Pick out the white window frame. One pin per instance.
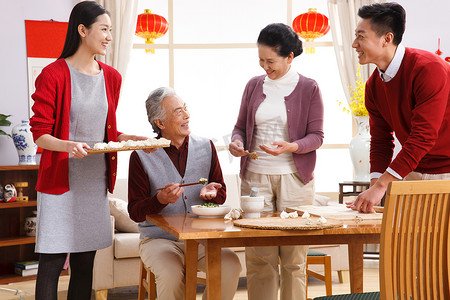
(171, 46)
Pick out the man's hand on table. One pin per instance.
(366, 200)
(369, 198)
(209, 192)
(170, 193)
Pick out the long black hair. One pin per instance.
(85, 13)
(282, 38)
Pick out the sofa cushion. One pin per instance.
(126, 273)
(118, 209)
(126, 245)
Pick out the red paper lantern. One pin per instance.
(150, 26)
(310, 26)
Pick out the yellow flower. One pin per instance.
(357, 106)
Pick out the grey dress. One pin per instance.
(78, 220)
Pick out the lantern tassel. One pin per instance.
(310, 50)
(149, 41)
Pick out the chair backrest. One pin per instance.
(415, 244)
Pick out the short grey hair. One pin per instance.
(155, 110)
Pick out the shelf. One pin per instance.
(16, 204)
(14, 241)
(5, 279)
(14, 244)
(19, 167)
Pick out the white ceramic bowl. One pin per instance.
(252, 206)
(210, 212)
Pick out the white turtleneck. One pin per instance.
(271, 125)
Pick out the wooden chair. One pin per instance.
(147, 282)
(320, 258)
(415, 243)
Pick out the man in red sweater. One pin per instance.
(408, 94)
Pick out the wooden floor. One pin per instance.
(315, 287)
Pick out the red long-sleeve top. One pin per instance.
(415, 104)
(141, 204)
(52, 116)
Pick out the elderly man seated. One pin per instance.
(188, 159)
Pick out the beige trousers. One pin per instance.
(423, 176)
(263, 275)
(165, 258)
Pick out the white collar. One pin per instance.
(290, 75)
(394, 66)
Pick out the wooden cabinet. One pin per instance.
(14, 244)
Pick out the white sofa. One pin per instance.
(118, 265)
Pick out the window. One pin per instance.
(210, 57)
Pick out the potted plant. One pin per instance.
(4, 122)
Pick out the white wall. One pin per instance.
(13, 64)
(426, 21)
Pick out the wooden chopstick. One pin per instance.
(186, 184)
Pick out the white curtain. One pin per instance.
(123, 19)
(343, 21)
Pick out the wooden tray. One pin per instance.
(336, 212)
(284, 224)
(96, 151)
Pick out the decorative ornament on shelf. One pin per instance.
(310, 26)
(9, 193)
(30, 224)
(151, 26)
(25, 146)
(19, 187)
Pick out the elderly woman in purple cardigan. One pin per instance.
(281, 119)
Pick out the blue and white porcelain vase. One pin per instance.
(360, 148)
(25, 146)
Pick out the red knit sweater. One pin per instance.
(415, 105)
(51, 116)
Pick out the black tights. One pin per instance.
(50, 267)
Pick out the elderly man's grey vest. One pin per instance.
(161, 171)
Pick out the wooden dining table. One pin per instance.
(217, 233)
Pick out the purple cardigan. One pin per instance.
(304, 108)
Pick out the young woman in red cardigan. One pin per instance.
(75, 103)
